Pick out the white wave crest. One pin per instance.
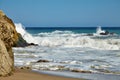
(68, 39)
(78, 41)
(26, 36)
(99, 30)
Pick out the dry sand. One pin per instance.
(29, 75)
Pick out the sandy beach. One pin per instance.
(21, 74)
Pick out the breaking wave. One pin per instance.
(69, 39)
(26, 36)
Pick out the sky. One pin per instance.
(63, 13)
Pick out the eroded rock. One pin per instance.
(8, 37)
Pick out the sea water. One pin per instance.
(70, 49)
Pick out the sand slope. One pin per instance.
(29, 75)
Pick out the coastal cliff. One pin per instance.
(8, 38)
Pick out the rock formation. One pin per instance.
(8, 38)
(23, 43)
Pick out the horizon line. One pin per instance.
(68, 26)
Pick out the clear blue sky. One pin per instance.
(68, 13)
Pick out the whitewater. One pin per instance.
(65, 50)
(70, 39)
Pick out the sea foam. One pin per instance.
(69, 39)
(27, 36)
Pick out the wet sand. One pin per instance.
(21, 74)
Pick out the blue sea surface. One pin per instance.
(35, 30)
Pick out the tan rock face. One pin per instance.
(8, 38)
(5, 60)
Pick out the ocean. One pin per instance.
(70, 49)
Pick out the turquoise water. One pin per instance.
(35, 30)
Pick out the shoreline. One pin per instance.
(84, 76)
(25, 74)
(28, 74)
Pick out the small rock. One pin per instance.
(43, 61)
(81, 71)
